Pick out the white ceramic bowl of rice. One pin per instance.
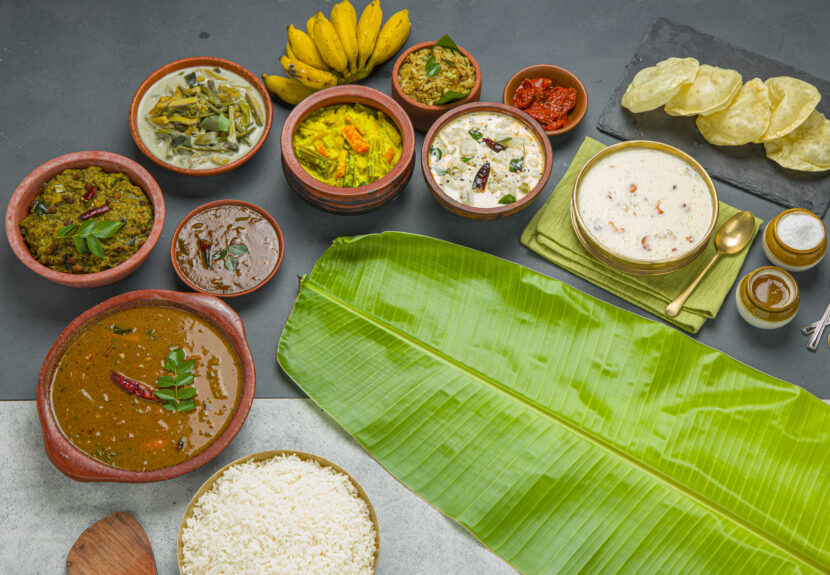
(279, 512)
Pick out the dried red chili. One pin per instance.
(480, 181)
(206, 248)
(94, 212)
(547, 104)
(135, 387)
(90, 193)
(495, 146)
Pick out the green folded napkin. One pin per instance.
(551, 235)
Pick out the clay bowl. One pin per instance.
(29, 188)
(422, 115)
(188, 63)
(79, 466)
(215, 204)
(471, 212)
(263, 455)
(348, 200)
(560, 77)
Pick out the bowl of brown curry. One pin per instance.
(227, 248)
(146, 386)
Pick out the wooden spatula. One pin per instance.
(115, 545)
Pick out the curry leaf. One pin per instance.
(165, 381)
(66, 231)
(186, 405)
(231, 263)
(451, 96)
(166, 394)
(569, 435)
(86, 227)
(517, 164)
(183, 379)
(107, 228)
(94, 245)
(475, 134)
(80, 244)
(432, 67)
(238, 249)
(187, 393)
(446, 42)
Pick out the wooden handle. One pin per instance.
(674, 307)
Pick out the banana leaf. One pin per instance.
(566, 434)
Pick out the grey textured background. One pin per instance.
(69, 69)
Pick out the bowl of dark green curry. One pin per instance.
(85, 219)
(146, 386)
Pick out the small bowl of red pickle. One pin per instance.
(551, 95)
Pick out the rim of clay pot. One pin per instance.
(214, 204)
(430, 113)
(262, 456)
(30, 187)
(472, 212)
(187, 63)
(347, 94)
(79, 466)
(555, 73)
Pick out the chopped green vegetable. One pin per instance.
(507, 199)
(121, 330)
(516, 164)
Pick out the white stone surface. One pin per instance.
(44, 511)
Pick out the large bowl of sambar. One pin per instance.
(145, 386)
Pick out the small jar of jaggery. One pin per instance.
(767, 298)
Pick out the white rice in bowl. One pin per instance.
(282, 515)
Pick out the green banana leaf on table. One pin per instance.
(568, 435)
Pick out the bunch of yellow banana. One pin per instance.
(337, 50)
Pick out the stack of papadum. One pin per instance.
(780, 112)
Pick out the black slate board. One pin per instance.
(745, 167)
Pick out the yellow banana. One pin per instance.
(367, 31)
(344, 20)
(309, 26)
(288, 90)
(304, 48)
(325, 37)
(357, 75)
(392, 36)
(310, 76)
(289, 52)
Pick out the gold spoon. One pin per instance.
(732, 237)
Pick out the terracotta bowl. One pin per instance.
(215, 204)
(422, 115)
(263, 455)
(29, 188)
(485, 214)
(560, 77)
(187, 63)
(79, 466)
(348, 200)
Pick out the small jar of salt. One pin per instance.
(795, 240)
